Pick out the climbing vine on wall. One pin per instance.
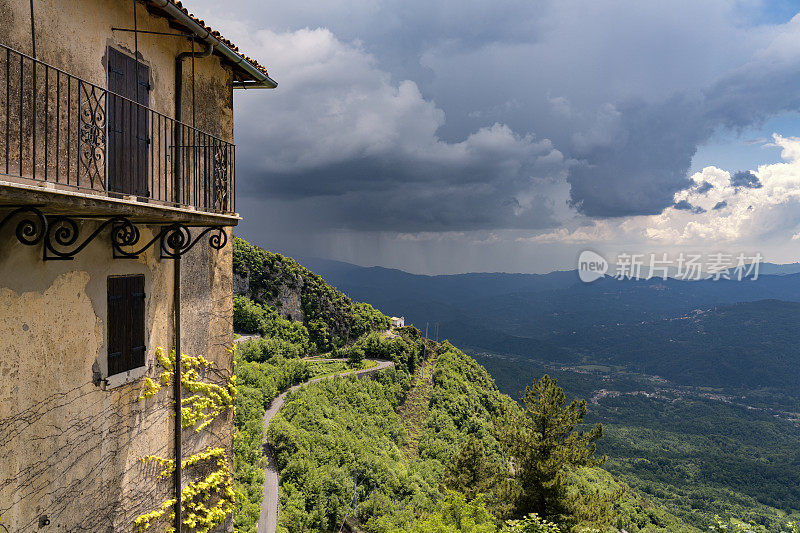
(204, 502)
(207, 401)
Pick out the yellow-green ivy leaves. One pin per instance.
(206, 501)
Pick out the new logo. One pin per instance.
(591, 266)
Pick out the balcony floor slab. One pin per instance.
(76, 203)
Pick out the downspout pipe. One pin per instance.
(209, 49)
(176, 386)
(177, 277)
(33, 33)
(260, 79)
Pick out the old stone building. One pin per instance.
(116, 205)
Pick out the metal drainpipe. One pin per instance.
(179, 111)
(177, 388)
(177, 276)
(33, 34)
(261, 80)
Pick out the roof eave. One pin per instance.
(259, 79)
(268, 83)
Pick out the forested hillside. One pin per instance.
(425, 446)
(276, 358)
(746, 345)
(696, 450)
(345, 456)
(696, 383)
(331, 318)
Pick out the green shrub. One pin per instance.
(251, 317)
(405, 351)
(265, 349)
(355, 355)
(454, 514)
(532, 523)
(248, 316)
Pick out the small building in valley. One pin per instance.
(116, 207)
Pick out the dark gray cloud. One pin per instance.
(720, 205)
(745, 179)
(362, 153)
(638, 171)
(684, 205)
(647, 163)
(382, 193)
(703, 188)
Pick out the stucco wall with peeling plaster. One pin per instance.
(70, 449)
(73, 35)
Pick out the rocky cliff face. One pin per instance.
(285, 298)
(299, 294)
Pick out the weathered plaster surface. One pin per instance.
(73, 35)
(70, 449)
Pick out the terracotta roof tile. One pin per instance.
(218, 35)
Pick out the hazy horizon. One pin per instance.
(307, 260)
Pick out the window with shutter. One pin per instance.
(126, 346)
(128, 85)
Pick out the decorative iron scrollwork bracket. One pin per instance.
(61, 239)
(31, 225)
(173, 241)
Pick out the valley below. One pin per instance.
(697, 450)
(697, 384)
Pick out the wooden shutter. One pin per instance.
(136, 333)
(126, 346)
(116, 326)
(128, 138)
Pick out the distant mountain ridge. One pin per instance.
(335, 266)
(443, 285)
(556, 318)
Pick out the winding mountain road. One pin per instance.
(268, 520)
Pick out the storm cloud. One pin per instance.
(366, 152)
(456, 116)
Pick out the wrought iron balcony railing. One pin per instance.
(58, 128)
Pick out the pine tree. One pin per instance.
(469, 471)
(544, 445)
